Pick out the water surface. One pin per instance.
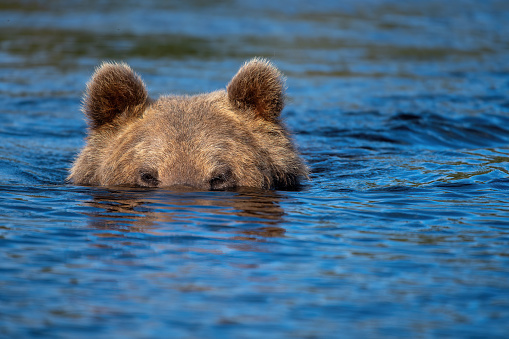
(401, 110)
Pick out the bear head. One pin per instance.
(214, 141)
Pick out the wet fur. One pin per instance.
(218, 140)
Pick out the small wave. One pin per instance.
(425, 130)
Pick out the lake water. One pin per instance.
(400, 108)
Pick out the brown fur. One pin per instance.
(113, 90)
(259, 86)
(218, 140)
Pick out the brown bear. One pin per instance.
(214, 141)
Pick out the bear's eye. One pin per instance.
(222, 180)
(149, 178)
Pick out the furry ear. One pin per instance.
(258, 86)
(113, 90)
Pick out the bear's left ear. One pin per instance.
(114, 90)
(258, 86)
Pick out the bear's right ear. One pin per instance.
(113, 90)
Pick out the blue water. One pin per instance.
(401, 110)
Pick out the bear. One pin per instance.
(221, 140)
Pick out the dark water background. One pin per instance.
(401, 109)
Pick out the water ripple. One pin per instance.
(400, 109)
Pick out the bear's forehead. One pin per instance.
(186, 113)
(216, 101)
(201, 118)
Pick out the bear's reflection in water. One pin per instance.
(248, 214)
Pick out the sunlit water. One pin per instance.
(401, 109)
